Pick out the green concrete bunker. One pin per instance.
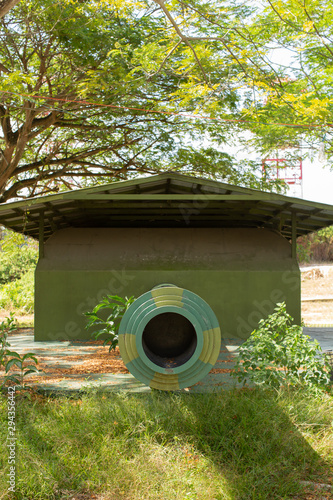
(233, 247)
(241, 273)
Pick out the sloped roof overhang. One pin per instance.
(166, 200)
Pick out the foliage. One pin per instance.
(304, 252)
(274, 60)
(19, 294)
(71, 116)
(9, 358)
(25, 369)
(278, 353)
(326, 232)
(18, 258)
(229, 445)
(316, 247)
(7, 326)
(296, 90)
(108, 328)
(18, 255)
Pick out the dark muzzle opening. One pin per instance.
(169, 340)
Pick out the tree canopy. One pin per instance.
(278, 58)
(99, 90)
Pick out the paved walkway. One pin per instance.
(58, 359)
(323, 335)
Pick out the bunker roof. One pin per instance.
(166, 200)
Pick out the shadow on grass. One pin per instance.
(231, 445)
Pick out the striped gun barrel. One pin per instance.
(169, 338)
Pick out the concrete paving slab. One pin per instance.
(323, 335)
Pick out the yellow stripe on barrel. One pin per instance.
(165, 382)
(127, 347)
(211, 345)
(168, 296)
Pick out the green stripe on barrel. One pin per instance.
(169, 338)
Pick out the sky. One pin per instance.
(317, 182)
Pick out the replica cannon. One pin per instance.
(169, 338)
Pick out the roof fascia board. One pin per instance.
(181, 178)
(191, 197)
(269, 197)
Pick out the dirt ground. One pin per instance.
(52, 369)
(317, 284)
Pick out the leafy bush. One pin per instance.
(316, 247)
(304, 251)
(8, 358)
(6, 326)
(278, 353)
(108, 328)
(18, 258)
(18, 255)
(21, 362)
(18, 294)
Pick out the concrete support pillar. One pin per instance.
(41, 234)
(293, 235)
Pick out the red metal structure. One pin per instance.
(290, 171)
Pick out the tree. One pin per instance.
(279, 56)
(300, 93)
(100, 90)
(59, 52)
(74, 99)
(6, 5)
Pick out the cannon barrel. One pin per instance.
(169, 338)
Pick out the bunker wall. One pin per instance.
(240, 273)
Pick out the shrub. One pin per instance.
(108, 328)
(278, 353)
(18, 255)
(6, 326)
(316, 247)
(8, 358)
(18, 294)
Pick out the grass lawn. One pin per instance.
(244, 444)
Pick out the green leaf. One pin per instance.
(31, 370)
(13, 378)
(12, 362)
(13, 353)
(30, 355)
(112, 322)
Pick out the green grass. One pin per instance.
(23, 322)
(233, 445)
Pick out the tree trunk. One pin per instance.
(6, 5)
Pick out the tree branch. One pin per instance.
(73, 159)
(6, 5)
(183, 37)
